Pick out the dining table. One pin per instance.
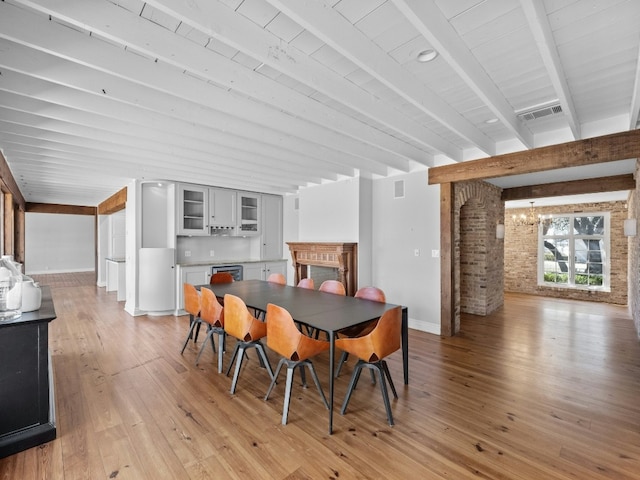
(316, 310)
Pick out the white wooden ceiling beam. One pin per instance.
(124, 154)
(222, 23)
(149, 139)
(428, 19)
(337, 32)
(116, 24)
(539, 25)
(634, 109)
(123, 93)
(135, 80)
(102, 15)
(106, 107)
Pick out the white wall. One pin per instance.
(400, 226)
(57, 243)
(387, 230)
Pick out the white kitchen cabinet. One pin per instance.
(222, 209)
(193, 274)
(262, 270)
(248, 213)
(271, 219)
(193, 210)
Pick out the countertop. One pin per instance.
(225, 262)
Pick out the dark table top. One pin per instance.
(325, 311)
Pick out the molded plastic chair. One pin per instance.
(284, 338)
(277, 278)
(212, 314)
(333, 286)
(371, 350)
(192, 307)
(248, 330)
(369, 293)
(307, 283)
(221, 277)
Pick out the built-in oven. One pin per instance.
(235, 270)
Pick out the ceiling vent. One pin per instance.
(534, 114)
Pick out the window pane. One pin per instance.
(558, 226)
(556, 265)
(588, 225)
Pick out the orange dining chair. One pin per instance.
(306, 283)
(277, 278)
(369, 293)
(212, 314)
(248, 330)
(296, 349)
(221, 277)
(192, 307)
(371, 350)
(333, 286)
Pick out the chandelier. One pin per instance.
(530, 218)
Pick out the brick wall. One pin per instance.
(521, 253)
(478, 255)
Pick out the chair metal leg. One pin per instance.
(233, 357)
(287, 395)
(343, 359)
(221, 346)
(352, 385)
(303, 377)
(236, 373)
(195, 337)
(209, 336)
(275, 377)
(385, 393)
(193, 324)
(265, 359)
(385, 367)
(316, 381)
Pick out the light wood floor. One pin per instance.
(544, 389)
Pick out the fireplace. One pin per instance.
(343, 257)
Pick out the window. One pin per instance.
(573, 251)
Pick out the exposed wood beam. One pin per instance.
(608, 148)
(10, 183)
(428, 19)
(447, 265)
(337, 32)
(576, 187)
(115, 203)
(60, 209)
(539, 26)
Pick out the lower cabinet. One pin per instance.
(262, 270)
(195, 275)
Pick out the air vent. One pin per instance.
(398, 189)
(536, 113)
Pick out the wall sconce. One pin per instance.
(630, 227)
(500, 230)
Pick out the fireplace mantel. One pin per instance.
(342, 256)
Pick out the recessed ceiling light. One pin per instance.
(491, 121)
(427, 55)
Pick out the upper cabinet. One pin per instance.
(222, 210)
(193, 210)
(271, 219)
(248, 213)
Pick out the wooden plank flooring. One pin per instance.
(543, 389)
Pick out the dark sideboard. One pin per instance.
(27, 406)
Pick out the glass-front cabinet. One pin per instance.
(193, 206)
(248, 213)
